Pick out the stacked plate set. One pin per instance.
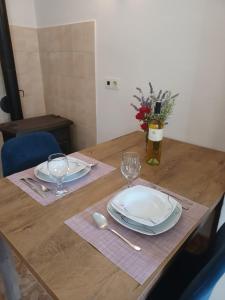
(145, 210)
(77, 169)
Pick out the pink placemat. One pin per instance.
(96, 172)
(155, 249)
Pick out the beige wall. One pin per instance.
(68, 67)
(28, 68)
(178, 45)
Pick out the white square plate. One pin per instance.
(75, 166)
(144, 205)
(169, 223)
(77, 169)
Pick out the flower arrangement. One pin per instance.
(145, 110)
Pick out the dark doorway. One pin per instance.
(11, 102)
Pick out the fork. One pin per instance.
(42, 186)
(184, 206)
(32, 187)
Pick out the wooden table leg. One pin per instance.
(8, 271)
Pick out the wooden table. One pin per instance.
(66, 265)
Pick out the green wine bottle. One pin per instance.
(155, 136)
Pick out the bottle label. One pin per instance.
(155, 135)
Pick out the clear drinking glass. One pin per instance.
(58, 167)
(130, 166)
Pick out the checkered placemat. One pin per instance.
(155, 249)
(101, 169)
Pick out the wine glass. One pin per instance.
(58, 167)
(130, 166)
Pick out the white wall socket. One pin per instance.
(112, 83)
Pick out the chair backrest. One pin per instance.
(26, 151)
(209, 284)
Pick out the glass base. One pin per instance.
(61, 192)
(153, 162)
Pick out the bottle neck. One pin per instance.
(157, 109)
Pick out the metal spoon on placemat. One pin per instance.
(32, 187)
(102, 223)
(42, 186)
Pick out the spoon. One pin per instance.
(102, 223)
(42, 186)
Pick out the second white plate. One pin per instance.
(67, 178)
(75, 166)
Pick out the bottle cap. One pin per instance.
(157, 107)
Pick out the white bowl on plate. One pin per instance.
(144, 205)
(169, 223)
(77, 169)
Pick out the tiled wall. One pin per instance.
(56, 69)
(28, 67)
(68, 67)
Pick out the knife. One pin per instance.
(91, 165)
(33, 188)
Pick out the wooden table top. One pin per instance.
(68, 266)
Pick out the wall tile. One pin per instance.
(52, 85)
(84, 136)
(66, 64)
(28, 68)
(54, 62)
(84, 91)
(57, 38)
(33, 101)
(83, 37)
(66, 38)
(44, 62)
(68, 88)
(69, 77)
(83, 65)
(50, 39)
(56, 69)
(27, 62)
(24, 39)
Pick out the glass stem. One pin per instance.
(129, 183)
(59, 185)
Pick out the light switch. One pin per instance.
(112, 83)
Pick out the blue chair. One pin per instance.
(210, 281)
(193, 277)
(26, 151)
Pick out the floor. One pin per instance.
(30, 288)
